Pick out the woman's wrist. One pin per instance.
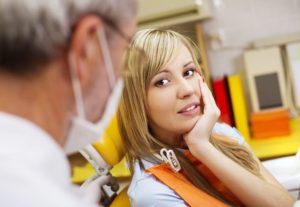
(200, 148)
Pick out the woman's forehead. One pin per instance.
(181, 58)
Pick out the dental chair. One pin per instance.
(287, 171)
(107, 157)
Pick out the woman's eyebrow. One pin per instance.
(163, 71)
(187, 63)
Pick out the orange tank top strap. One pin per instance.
(192, 195)
(187, 191)
(213, 180)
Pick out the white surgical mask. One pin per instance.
(83, 131)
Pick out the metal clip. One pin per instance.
(169, 157)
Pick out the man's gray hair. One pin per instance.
(32, 31)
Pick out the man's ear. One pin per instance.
(84, 46)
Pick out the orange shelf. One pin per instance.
(279, 145)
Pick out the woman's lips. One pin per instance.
(190, 109)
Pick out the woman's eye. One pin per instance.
(161, 82)
(189, 72)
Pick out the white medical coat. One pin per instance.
(34, 171)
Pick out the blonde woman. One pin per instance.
(179, 154)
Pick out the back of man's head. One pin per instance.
(33, 32)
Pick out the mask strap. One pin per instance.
(106, 58)
(76, 87)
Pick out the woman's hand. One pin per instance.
(247, 187)
(201, 131)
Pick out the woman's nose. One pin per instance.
(185, 88)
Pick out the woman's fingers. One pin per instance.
(210, 105)
(204, 94)
(212, 101)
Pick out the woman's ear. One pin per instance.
(84, 47)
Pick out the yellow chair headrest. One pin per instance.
(110, 146)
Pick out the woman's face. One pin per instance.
(173, 99)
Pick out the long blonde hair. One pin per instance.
(159, 48)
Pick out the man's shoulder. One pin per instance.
(25, 186)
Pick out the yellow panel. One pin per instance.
(278, 146)
(113, 132)
(81, 174)
(121, 169)
(239, 105)
(121, 200)
(110, 146)
(107, 149)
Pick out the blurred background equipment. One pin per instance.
(265, 76)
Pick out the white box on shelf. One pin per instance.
(265, 77)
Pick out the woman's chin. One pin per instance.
(188, 126)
